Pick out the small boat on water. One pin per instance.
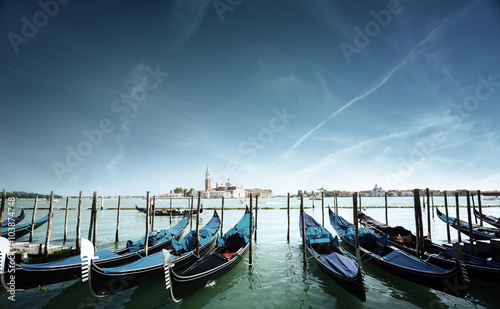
(22, 229)
(380, 253)
(15, 220)
(106, 281)
(166, 212)
(436, 254)
(228, 252)
(34, 275)
(494, 221)
(478, 232)
(327, 253)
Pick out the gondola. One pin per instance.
(106, 281)
(436, 254)
(34, 275)
(494, 221)
(22, 229)
(228, 252)
(14, 220)
(175, 212)
(478, 232)
(377, 251)
(327, 253)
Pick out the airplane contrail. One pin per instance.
(373, 87)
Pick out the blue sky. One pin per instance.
(126, 97)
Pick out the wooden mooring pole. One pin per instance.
(356, 228)
(251, 229)
(337, 204)
(418, 223)
(191, 220)
(118, 218)
(303, 229)
(78, 222)
(222, 217)
(198, 227)
(386, 215)
(323, 208)
(33, 219)
(479, 205)
(66, 220)
(473, 206)
(153, 213)
(427, 193)
(457, 220)
(49, 226)
(359, 201)
(469, 217)
(94, 236)
(92, 216)
(447, 218)
(288, 217)
(170, 211)
(146, 240)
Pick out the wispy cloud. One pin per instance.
(414, 52)
(321, 164)
(185, 18)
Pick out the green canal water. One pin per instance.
(277, 278)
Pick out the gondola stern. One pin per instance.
(4, 250)
(167, 266)
(461, 285)
(86, 255)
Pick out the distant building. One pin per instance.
(171, 195)
(377, 191)
(406, 192)
(263, 193)
(228, 190)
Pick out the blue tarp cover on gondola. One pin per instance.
(206, 232)
(5, 229)
(100, 255)
(342, 264)
(242, 229)
(347, 230)
(158, 236)
(409, 261)
(147, 261)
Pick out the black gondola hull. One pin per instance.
(32, 278)
(103, 284)
(183, 286)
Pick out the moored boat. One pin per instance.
(105, 281)
(478, 232)
(380, 253)
(34, 275)
(494, 221)
(228, 252)
(327, 253)
(436, 254)
(22, 229)
(14, 220)
(166, 212)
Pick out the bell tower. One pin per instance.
(208, 185)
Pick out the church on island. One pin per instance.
(228, 190)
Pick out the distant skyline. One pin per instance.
(127, 97)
